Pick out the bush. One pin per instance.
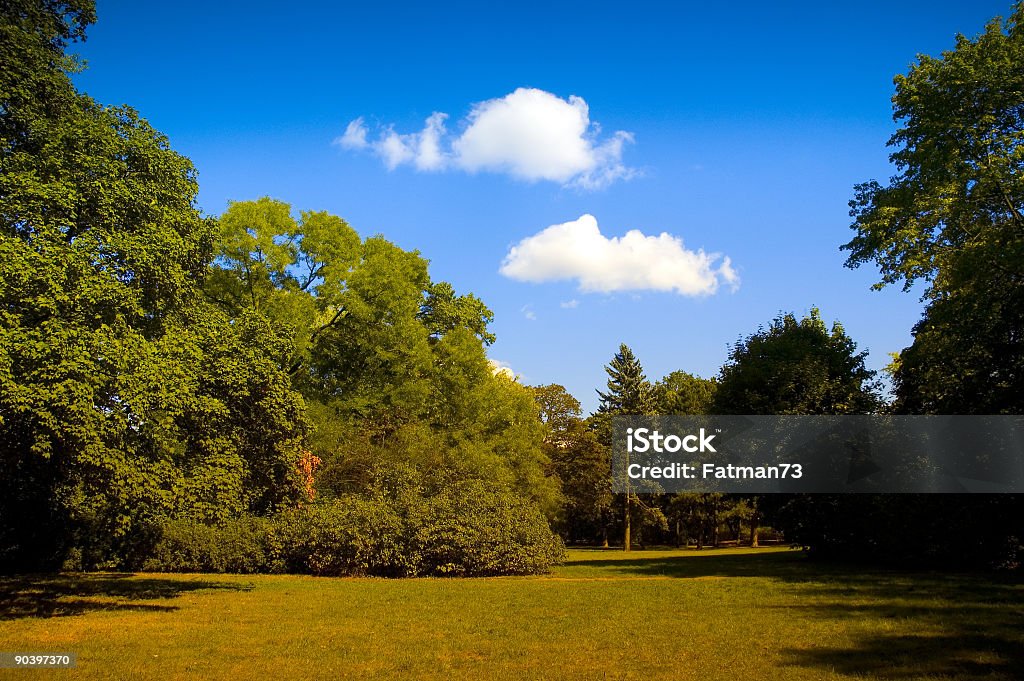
(468, 529)
(348, 536)
(241, 545)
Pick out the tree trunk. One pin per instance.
(604, 536)
(753, 530)
(625, 540)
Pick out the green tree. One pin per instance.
(796, 367)
(629, 393)
(579, 461)
(680, 393)
(293, 272)
(124, 398)
(391, 364)
(443, 311)
(959, 155)
(952, 217)
(967, 355)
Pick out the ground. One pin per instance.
(726, 614)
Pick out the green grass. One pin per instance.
(728, 614)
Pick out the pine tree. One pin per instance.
(629, 393)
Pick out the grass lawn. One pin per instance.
(716, 614)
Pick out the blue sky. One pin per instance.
(749, 125)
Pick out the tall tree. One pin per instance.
(629, 394)
(124, 398)
(952, 217)
(629, 391)
(794, 367)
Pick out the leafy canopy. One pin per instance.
(796, 367)
(959, 192)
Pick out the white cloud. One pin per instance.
(577, 250)
(429, 155)
(569, 304)
(528, 312)
(394, 149)
(499, 368)
(355, 135)
(529, 134)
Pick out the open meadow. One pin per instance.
(715, 614)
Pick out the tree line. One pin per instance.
(269, 391)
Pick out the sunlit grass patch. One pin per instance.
(725, 614)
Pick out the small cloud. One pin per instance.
(529, 134)
(394, 149)
(527, 311)
(634, 262)
(499, 368)
(354, 137)
(569, 304)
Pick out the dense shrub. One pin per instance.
(241, 545)
(468, 529)
(349, 536)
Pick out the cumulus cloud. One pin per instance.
(569, 304)
(529, 134)
(499, 368)
(634, 262)
(528, 312)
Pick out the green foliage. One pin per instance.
(681, 393)
(960, 153)
(629, 391)
(952, 217)
(473, 529)
(559, 411)
(796, 367)
(469, 529)
(579, 461)
(968, 353)
(349, 536)
(125, 399)
(292, 272)
(392, 364)
(443, 311)
(245, 545)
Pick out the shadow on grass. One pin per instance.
(902, 624)
(692, 564)
(952, 626)
(64, 595)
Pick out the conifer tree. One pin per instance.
(629, 393)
